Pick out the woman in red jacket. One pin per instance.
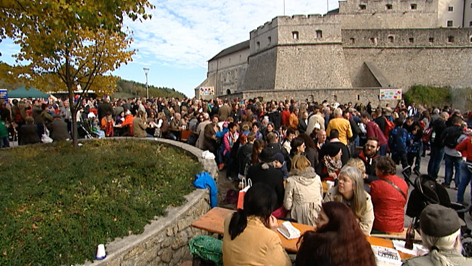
(389, 196)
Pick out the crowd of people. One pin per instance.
(289, 147)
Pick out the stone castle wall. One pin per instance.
(403, 43)
(392, 14)
(436, 57)
(341, 95)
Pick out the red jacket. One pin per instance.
(389, 204)
(285, 117)
(465, 147)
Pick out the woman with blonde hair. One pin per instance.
(303, 191)
(350, 190)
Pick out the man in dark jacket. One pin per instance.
(437, 148)
(452, 158)
(58, 129)
(369, 155)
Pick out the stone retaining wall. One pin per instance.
(165, 240)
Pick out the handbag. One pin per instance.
(247, 184)
(45, 137)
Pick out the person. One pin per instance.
(389, 196)
(437, 149)
(441, 234)
(341, 124)
(243, 152)
(334, 141)
(369, 155)
(249, 234)
(139, 127)
(58, 129)
(4, 142)
(107, 124)
(414, 148)
(303, 191)
(229, 139)
(337, 241)
(373, 130)
(465, 147)
(452, 158)
(350, 190)
(397, 142)
(201, 131)
(29, 132)
(330, 164)
(265, 172)
(310, 150)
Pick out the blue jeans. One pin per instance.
(435, 159)
(466, 176)
(383, 150)
(4, 142)
(452, 164)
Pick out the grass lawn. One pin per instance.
(58, 202)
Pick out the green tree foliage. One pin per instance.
(69, 43)
(136, 89)
(432, 96)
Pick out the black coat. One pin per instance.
(271, 177)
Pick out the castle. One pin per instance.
(351, 53)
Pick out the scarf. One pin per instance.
(332, 166)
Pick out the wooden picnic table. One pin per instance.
(213, 221)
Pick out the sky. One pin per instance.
(183, 35)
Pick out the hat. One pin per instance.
(438, 221)
(128, 112)
(317, 125)
(388, 111)
(279, 157)
(332, 150)
(266, 155)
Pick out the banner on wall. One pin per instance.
(391, 94)
(4, 94)
(207, 91)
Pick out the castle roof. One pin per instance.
(233, 49)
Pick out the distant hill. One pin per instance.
(127, 88)
(124, 89)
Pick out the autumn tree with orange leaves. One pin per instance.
(68, 43)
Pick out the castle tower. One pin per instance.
(299, 52)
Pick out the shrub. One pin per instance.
(58, 202)
(432, 96)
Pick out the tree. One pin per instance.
(69, 43)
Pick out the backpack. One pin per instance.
(389, 126)
(18, 117)
(427, 135)
(451, 137)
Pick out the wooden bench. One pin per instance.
(399, 235)
(213, 221)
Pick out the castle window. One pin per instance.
(470, 39)
(295, 35)
(450, 39)
(449, 23)
(373, 41)
(258, 45)
(270, 40)
(411, 40)
(358, 97)
(391, 39)
(450, 8)
(319, 34)
(388, 6)
(413, 6)
(362, 7)
(353, 41)
(431, 39)
(229, 60)
(470, 23)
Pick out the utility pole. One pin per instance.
(146, 71)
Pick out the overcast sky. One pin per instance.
(183, 34)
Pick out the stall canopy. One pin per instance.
(27, 93)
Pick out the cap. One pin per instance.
(438, 221)
(267, 155)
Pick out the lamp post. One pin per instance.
(146, 71)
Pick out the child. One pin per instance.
(397, 142)
(4, 142)
(413, 149)
(279, 163)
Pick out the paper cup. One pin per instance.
(330, 184)
(101, 254)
